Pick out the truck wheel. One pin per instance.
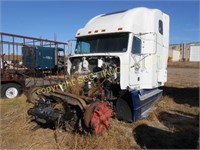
(10, 90)
(123, 110)
(96, 117)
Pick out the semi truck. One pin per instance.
(43, 59)
(120, 65)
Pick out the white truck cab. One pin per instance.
(135, 43)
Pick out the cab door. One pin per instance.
(135, 62)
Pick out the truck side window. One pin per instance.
(160, 27)
(82, 47)
(136, 48)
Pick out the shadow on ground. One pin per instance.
(188, 96)
(182, 134)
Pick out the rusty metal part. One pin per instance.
(93, 91)
(31, 38)
(96, 117)
(103, 94)
(33, 95)
(88, 113)
(86, 98)
(69, 98)
(73, 96)
(11, 74)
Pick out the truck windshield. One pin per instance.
(103, 43)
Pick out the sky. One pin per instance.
(63, 18)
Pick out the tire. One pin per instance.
(123, 110)
(10, 90)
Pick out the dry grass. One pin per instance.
(172, 123)
(186, 64)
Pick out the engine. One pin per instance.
(53, 113)
(97, 71)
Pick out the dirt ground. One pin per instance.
(173, 122)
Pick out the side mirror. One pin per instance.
(71, 46)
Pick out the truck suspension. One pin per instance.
(59, 111)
